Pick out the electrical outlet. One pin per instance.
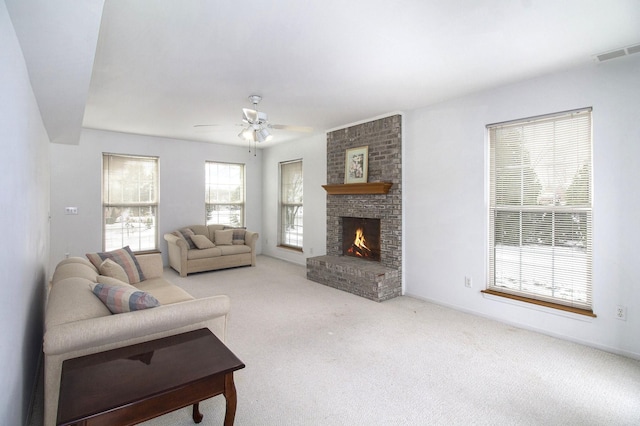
(468, 282)
(621, 312)
(70, 210)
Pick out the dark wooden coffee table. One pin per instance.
(129, 385)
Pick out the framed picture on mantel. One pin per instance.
(356, 165)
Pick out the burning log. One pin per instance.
(359, 247)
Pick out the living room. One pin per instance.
(444, 201)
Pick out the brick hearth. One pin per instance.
(375, 280)
(364, 278)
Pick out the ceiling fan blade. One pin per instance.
(205, 125)
(249, 115)
(262, 117)
(292, 128)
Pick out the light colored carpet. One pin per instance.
(319, 356)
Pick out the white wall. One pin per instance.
(313, 152)
(24, 197)
(446, 205)
(76, 182)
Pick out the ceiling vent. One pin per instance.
(630, 50)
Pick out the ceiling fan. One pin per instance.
(257, 124)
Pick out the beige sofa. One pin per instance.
(78, 323)
(237, 250)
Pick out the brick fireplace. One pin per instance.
(377, 277)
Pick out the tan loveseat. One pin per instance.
(231, 247)
(78, 323)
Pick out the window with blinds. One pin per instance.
(130, 202)
(224, 194)
(540, 210)
(291, 208)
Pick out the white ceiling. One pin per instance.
(158, 67)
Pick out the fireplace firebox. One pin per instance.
(361, 238)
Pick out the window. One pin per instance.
(130, 202)
(291, 204)
(224, 193)
(540, 210)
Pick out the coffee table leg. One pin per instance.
(197, 416)
(232, 399)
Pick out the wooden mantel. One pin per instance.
(358, 188)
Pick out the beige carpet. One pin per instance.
(318, 356)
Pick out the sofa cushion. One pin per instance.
(71, 300)
(202, 242)
(74, 269)
(204, 254)
(110, 268)
(165, 292)
(224, 237)
(121, 299)
(103, 279)
(185, 234)
(123, 257)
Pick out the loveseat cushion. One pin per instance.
(120, 298)
(123, 257)
(224, 237)
(204, 254)
(235, 249)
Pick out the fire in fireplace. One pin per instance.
(361, 237)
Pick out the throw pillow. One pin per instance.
(121, 299)
(202, 242)
(111, 269)
(123, 257)
(238, 235)
(224, 237)
(186, 234)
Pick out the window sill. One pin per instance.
(541, 303)
(298, 249)
(147, 252)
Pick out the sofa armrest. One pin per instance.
(177, 252)
(96, 332)
(250, 239)
(151, 265)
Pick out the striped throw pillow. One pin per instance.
(123, 257)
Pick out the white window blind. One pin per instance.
(130, 202)
(291, 206)
(224, 194)
(540, 202)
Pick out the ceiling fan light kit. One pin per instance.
(264, 135)
(257, 129)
